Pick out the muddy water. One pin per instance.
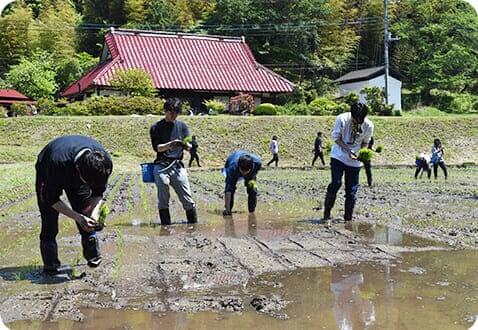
(424, 290)
(419, 290)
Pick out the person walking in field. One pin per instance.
(167, 139)
(241, 165)
(194, 151)
(274, 149)
(318, 149)
(423, 165)
(352, 131)
(437, 158)
(79, 166)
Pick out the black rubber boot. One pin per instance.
(192, 215)
(328, 205)
(349, 210)
(91, 251)
(49, 253)
(165, 217)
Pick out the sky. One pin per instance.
(474, 3)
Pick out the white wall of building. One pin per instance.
(394, 86)
(394, 89)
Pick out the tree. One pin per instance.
(438, 46)
(14, 36)
(133, 82)
(160, 13)
(33, 76)
(135, 11)
(72, 69)
(57, 30)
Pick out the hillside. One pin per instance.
(22, 138)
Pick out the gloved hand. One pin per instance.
(252, 184)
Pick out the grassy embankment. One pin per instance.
(22, 138)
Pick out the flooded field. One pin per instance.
(408, 262)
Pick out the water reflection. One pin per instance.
(350, 309)
(236, 228)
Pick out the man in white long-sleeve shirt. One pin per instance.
(352, 131)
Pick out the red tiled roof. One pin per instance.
(180, 61)
(11, 94)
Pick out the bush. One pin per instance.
(3, 112)
(454, 102)
(322, 106)
(216, 106)
(103, 106)
(265, 109)
(46, 106)
(397, 113)
(293, 109)
(376, 102)
(21, 109)
(351, 98)
(340, 108)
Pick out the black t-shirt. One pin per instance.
(194, 147)
(163, 132)
(318, 145)
(56, 167)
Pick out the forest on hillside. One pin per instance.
(45, 45)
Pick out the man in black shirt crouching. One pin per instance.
(81, 167)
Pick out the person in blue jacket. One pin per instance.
(241, 165)
(79, 166)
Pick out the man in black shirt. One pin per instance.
(168, 141)
(81, 167)
(318, 149)
(194, 152)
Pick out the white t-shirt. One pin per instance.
(274, 147)
(343, 130)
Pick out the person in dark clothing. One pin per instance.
(167, 139)
(274, 149)
(245, 165)
(81, 167)
(437, 158)
(368, 164)
(423, 164)
(194, 151)
(318, 149)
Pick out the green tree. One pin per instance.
(133, 82)
(135, 11)
(160, 13)
(15, 35)
(57, 30)
(438, 46)
(70, 70)
(33, 76)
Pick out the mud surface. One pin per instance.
(225, 265)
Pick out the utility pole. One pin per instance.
(386, 39)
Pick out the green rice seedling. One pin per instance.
(379, 148)
(365, 155)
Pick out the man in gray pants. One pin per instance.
(168, 140)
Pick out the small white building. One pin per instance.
(356, 81)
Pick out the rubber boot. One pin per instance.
(192, 215)
(91, 250)
(328, 205)
(165, 217)
(349, 210)
(49, 254)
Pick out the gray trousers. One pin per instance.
(177, 177)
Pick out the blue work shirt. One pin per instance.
(231, 169)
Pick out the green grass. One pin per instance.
(403, 137)
(426, 112)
